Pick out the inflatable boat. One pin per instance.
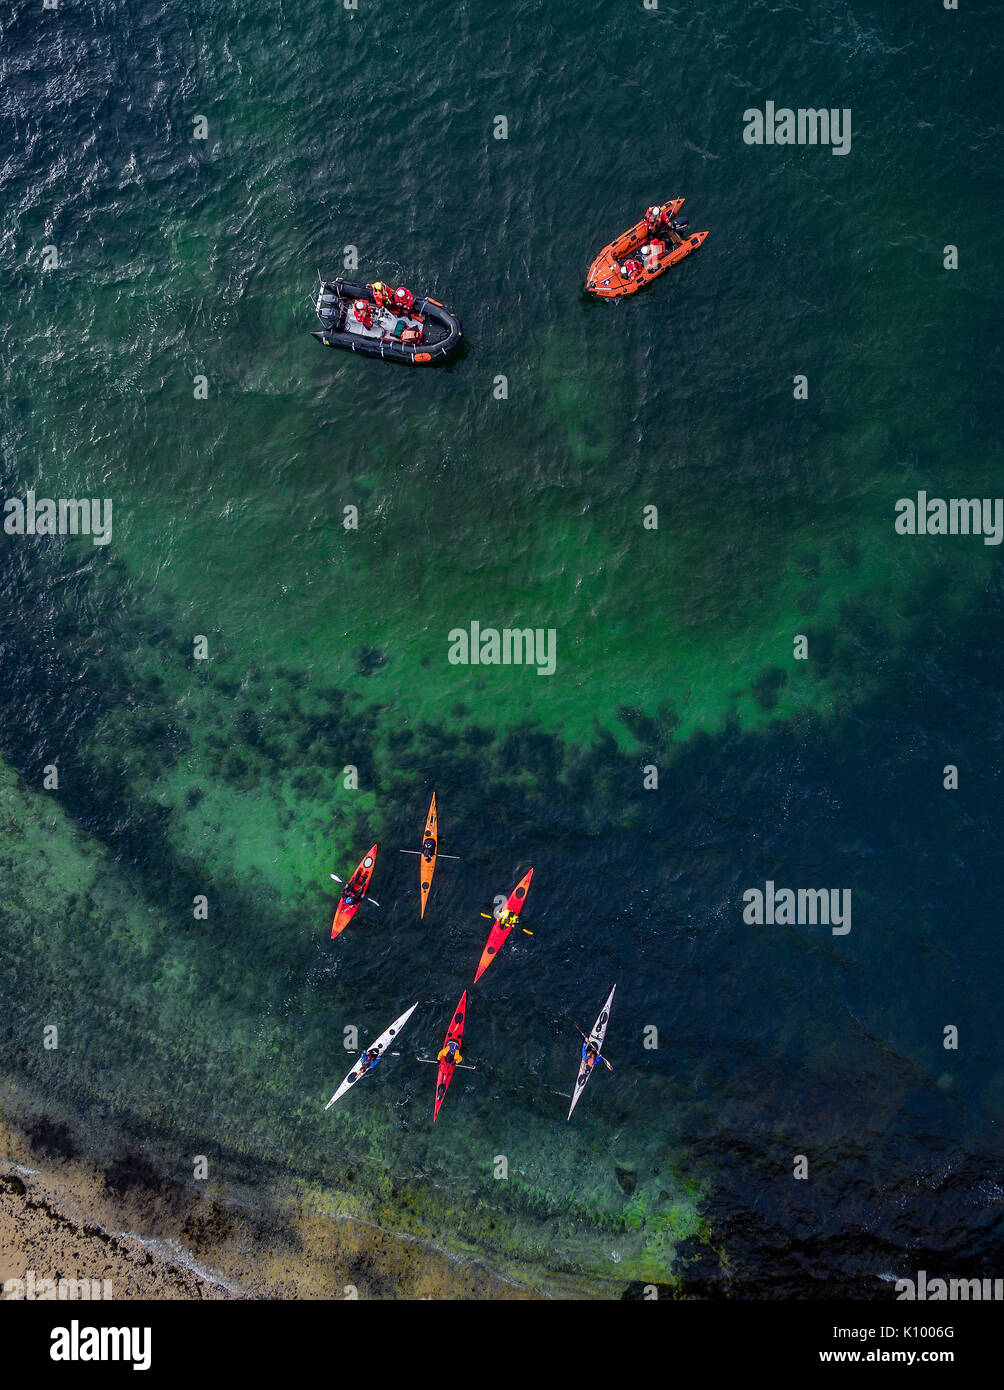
(428, 333)
(605, 278)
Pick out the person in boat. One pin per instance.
(428, 848)
(350, 897)
(362, 310)
(653, 251)
(383, 295)
(659, 223)
(369, 1059)
(403, 300)
(507, 918)
(591, 1055)
(450, 1053)
(629, 269)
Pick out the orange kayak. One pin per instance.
(499, 933)
(430, 848)
(605, 279)
(454, 1033)
(353, 893)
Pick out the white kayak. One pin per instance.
(596, 1036)
(383, 1041)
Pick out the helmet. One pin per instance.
(654, 213)
(402, 293)
(378, 285)
(361, 304)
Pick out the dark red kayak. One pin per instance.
(454, 1033)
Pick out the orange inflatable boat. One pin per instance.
(605, 278)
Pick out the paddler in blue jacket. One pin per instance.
(591, 1055)
(371, 1058)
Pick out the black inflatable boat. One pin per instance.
(428, 334)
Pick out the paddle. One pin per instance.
(368, 898)
(585, 1036)
(434, 1062)
(438, 856)
(490, 918)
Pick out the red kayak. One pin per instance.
(353, 893)
(498, 933)
(454, 1033)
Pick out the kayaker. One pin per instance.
(370, 1059)
(591, 1055)
(450, 1053)
(630, 269)
(350, 897)
(428, 848)
(507, 918)
(404, 300)
(383, 295)
(363, 311)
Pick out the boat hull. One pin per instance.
(605, 280)
(359, 883)
(441, 337)
(382, 1042)
(427, 867)
(454, 1033)
(498, 934)
(596, 1036)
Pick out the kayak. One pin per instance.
(498, 933)
(358, 884)
(428, 865)
(605, 279)
(596, 1036)
(429, 333)
(454, 1033)
(385, 1038)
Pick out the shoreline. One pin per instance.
(64, 1220)
(46, 1244)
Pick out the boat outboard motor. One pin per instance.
(328, 305)
(680, 224)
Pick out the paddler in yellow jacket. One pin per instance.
(450, 1053)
